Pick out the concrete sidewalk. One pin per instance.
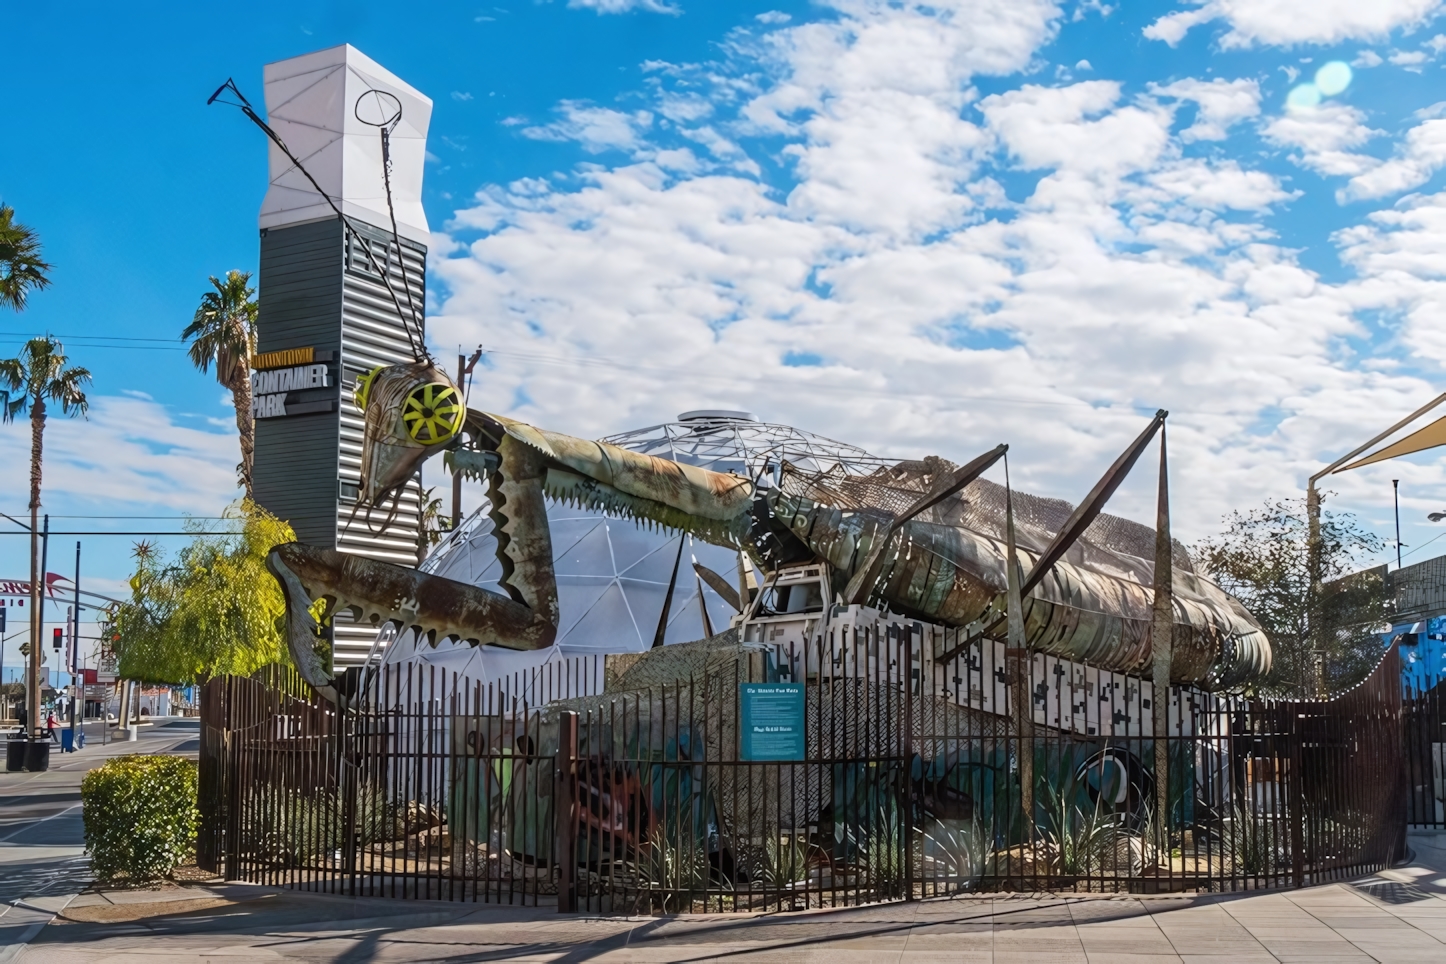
(42, 836)
(1399, 915)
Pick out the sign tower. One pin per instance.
(337, 297)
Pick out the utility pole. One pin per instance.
(38, 545)
(464, 368)
(1396, 498)
(76, 689)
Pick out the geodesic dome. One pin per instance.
(612, 573)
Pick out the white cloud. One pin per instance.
(1073, 128)
(624, 6)
(1419, 155)
(149, 459)
(773, 17)
(1120, 273)
(1222, 103)
(1408, 58)
(461, 96)
(1367, 58)
(1289, 22)
(1324, 135)
(597, 129)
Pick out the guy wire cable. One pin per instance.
(245, 107)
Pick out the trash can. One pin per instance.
(15, 755)
(37, 755)
(67, 740)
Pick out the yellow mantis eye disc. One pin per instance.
(364, 387)
(433, 413)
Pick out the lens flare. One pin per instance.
(1333, 77)
(1303, 96)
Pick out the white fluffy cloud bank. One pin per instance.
(130, 451)
(1290, 22)
(928, 270)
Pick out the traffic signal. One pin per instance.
(59, 633)
(2, 619)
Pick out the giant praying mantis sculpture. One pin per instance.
(930, 567)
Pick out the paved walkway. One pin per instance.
(1399, 915)
(42, 861)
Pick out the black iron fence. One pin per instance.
(1424, 726)
(884, 762)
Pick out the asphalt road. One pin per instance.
(42, 836)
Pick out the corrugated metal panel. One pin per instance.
(299, 290)
(316, 288)
(1420, 590)
(372, 334)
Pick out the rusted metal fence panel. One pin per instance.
(898, 778)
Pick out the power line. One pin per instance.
(102, 532)
(179, 518)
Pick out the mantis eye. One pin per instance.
(433, 413)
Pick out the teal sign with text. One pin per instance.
(772, 721)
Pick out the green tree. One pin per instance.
(31, 382)
(213, 610)
(21, 267)
(223, 333)
(1263, 558)
(434, 524)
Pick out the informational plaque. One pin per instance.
(772, 724)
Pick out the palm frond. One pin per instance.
(223, 329)
(39, 372)
(21, 268)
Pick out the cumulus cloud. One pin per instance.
(1324, 136)
(1421, 153)
(150, 458)
(597, 129)
(1221, 103)
(937, 313)
(624, 6)
(1288, 22)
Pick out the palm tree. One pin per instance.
(21, 269)
(223, 331)
(28, 382)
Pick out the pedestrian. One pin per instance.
(24, 721)
(50, 728)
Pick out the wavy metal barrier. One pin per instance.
(908, 785)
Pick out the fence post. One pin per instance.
(564, 803)
(1297, 802)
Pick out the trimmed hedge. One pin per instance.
(140, 817)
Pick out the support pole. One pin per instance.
(1017, 663)
(1162, 643)
(457, 476)
(76, 689)
(564, 802)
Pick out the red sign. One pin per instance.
(21, 587)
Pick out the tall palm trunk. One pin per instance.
(245, 424)
(32, 684)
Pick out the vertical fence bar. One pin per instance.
(564, 801)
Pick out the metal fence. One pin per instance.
(916, 773)
(1424, 726)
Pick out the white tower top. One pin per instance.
(312, 103)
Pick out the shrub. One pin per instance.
(140, 817)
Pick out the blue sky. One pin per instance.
(923, 228)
